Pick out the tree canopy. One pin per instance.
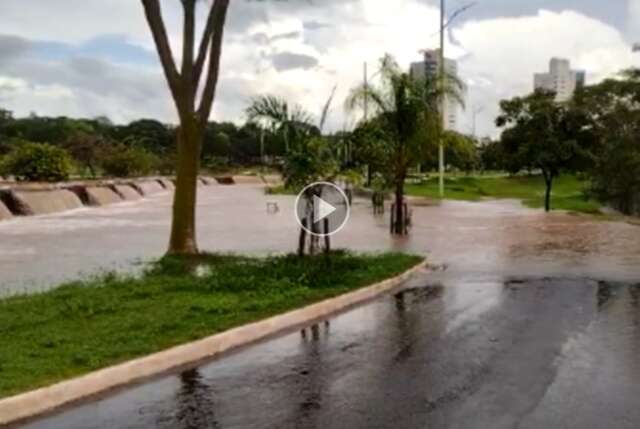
(541, 134)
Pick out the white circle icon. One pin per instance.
(322, 209)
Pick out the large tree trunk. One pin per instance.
(183, 227)
(185, 86)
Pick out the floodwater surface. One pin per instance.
(39, 252)
(530, 320)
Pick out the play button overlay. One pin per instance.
(322, 209)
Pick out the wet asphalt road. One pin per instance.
(479, 353)
(534, 323)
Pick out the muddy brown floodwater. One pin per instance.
(533, 320)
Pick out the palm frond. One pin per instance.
(269, 108)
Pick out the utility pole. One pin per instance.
(366, 88)
(443, 105)
(476, 110)
(444, 24)
(366, 114)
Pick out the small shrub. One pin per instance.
(37, 162)
(125, 161)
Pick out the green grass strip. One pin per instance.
(91, 324)
(567, 191)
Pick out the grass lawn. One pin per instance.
(567, 192)
(87, 325)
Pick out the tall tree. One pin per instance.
(612, 108)
(407, 110)
(542, 134)
(185, 85)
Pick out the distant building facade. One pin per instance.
(430, 67)
(560, 79)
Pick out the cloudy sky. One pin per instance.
(87, 58)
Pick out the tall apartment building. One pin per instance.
(560, 79)
(430, 67)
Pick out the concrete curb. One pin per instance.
(47, 399)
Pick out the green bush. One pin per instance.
(37, 162)
(125, 161)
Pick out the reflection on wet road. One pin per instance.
(535, 322)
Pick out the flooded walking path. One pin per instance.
(496, 237)
(533, 320)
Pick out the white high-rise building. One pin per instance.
(560, 79)
(430, 67)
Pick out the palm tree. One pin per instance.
(292, 122)
(408, 113)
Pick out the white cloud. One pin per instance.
(365, 31)
(504, 53)
(633, 22)
(497, 56)
(72, 21)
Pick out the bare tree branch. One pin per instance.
(159, 32)
(219, 11)
(204, 47)
(188, 87)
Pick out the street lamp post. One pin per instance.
(443, 24)
(443, 106)
(476, 110)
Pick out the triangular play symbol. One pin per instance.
(321, 209)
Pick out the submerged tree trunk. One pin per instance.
(183, 226)
(548, 180)
(302, 238)
(399, 217)
(327, 236)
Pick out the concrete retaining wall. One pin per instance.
(44, 202)
(47, 399)
(102, 196)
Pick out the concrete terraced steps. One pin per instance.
(38, 199)
(167, 184)
(148, 187)
(35, 202)
(127, 192)
(102, 196)
(4, 212)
